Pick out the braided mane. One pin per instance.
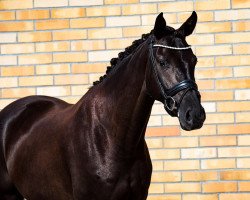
(129, 50)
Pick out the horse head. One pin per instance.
(170, 76)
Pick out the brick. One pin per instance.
(214, 50)
(70, 35)
(8, 82)
(89, 68)
(205, 62)
(241, 25)
(94, 77)
(234, 129)
(200, 176)
(150, 19)
(139, 9)
(164, 197)
(32, 14)
(154, 143)
(176, 6)
(209, 106)
(120, 1)
(53, 69)
(181, 165)
(218, 164)
(52, 46)
(227, 15)
(156, 188)
(119, 43)
(85, 2)
(17, 48)
(79, 89)
(15, 4)
(232, 83)
(71, 79)
(159, 154)
(123, 21)
(70, 57)
(9, 15)
(219, 118)
(5, 102)
(206, 16)
(35, 37)
(243, 163)
(213, 73)
(216, 96)
(52, 24)
(68, 13)
(214, 187)
(180, 142)
(8, 60)
(238, 196)
(157, 165)
(212, 5)
(234, 152)
(87, 22)
(17, 92)
(105, 33)
(242, 94)
(218, 141)
(200, 197)
(204, 39)
(198, 153)
(102, 55)
(244, 140)
(233, 106)
(163, 131)
(34, 59)
(243, 117)
(213, 27)
(235, 175)
(103, 11)
(35, 81)
(136, 31)
(182, 187)
(48, 3)
(205, 84)
(240, 4)
(205, 130)
(158, 108)
(241, 71)
(241, 49)
(154, 121)
(54, 91)
(222, 61)
(16, 26)
(87, 45)
(232, 38)
(165, 177)
(17, 71)
(70, 99)
(7, 38)
(244, 186)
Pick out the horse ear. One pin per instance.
(188, 26)
(160, 26)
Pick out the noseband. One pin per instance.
(168, 93)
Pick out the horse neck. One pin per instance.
(121, 103)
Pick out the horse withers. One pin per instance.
(95, 149)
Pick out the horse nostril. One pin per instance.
(188, 115)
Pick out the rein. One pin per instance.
(169, 102)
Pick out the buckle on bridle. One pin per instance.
(170, 103)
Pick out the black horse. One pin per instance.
(95, 149)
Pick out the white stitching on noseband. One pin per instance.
(169, 47)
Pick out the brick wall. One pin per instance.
(60, 47)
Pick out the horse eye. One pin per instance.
(163, 63)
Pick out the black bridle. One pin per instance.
(170, 104)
